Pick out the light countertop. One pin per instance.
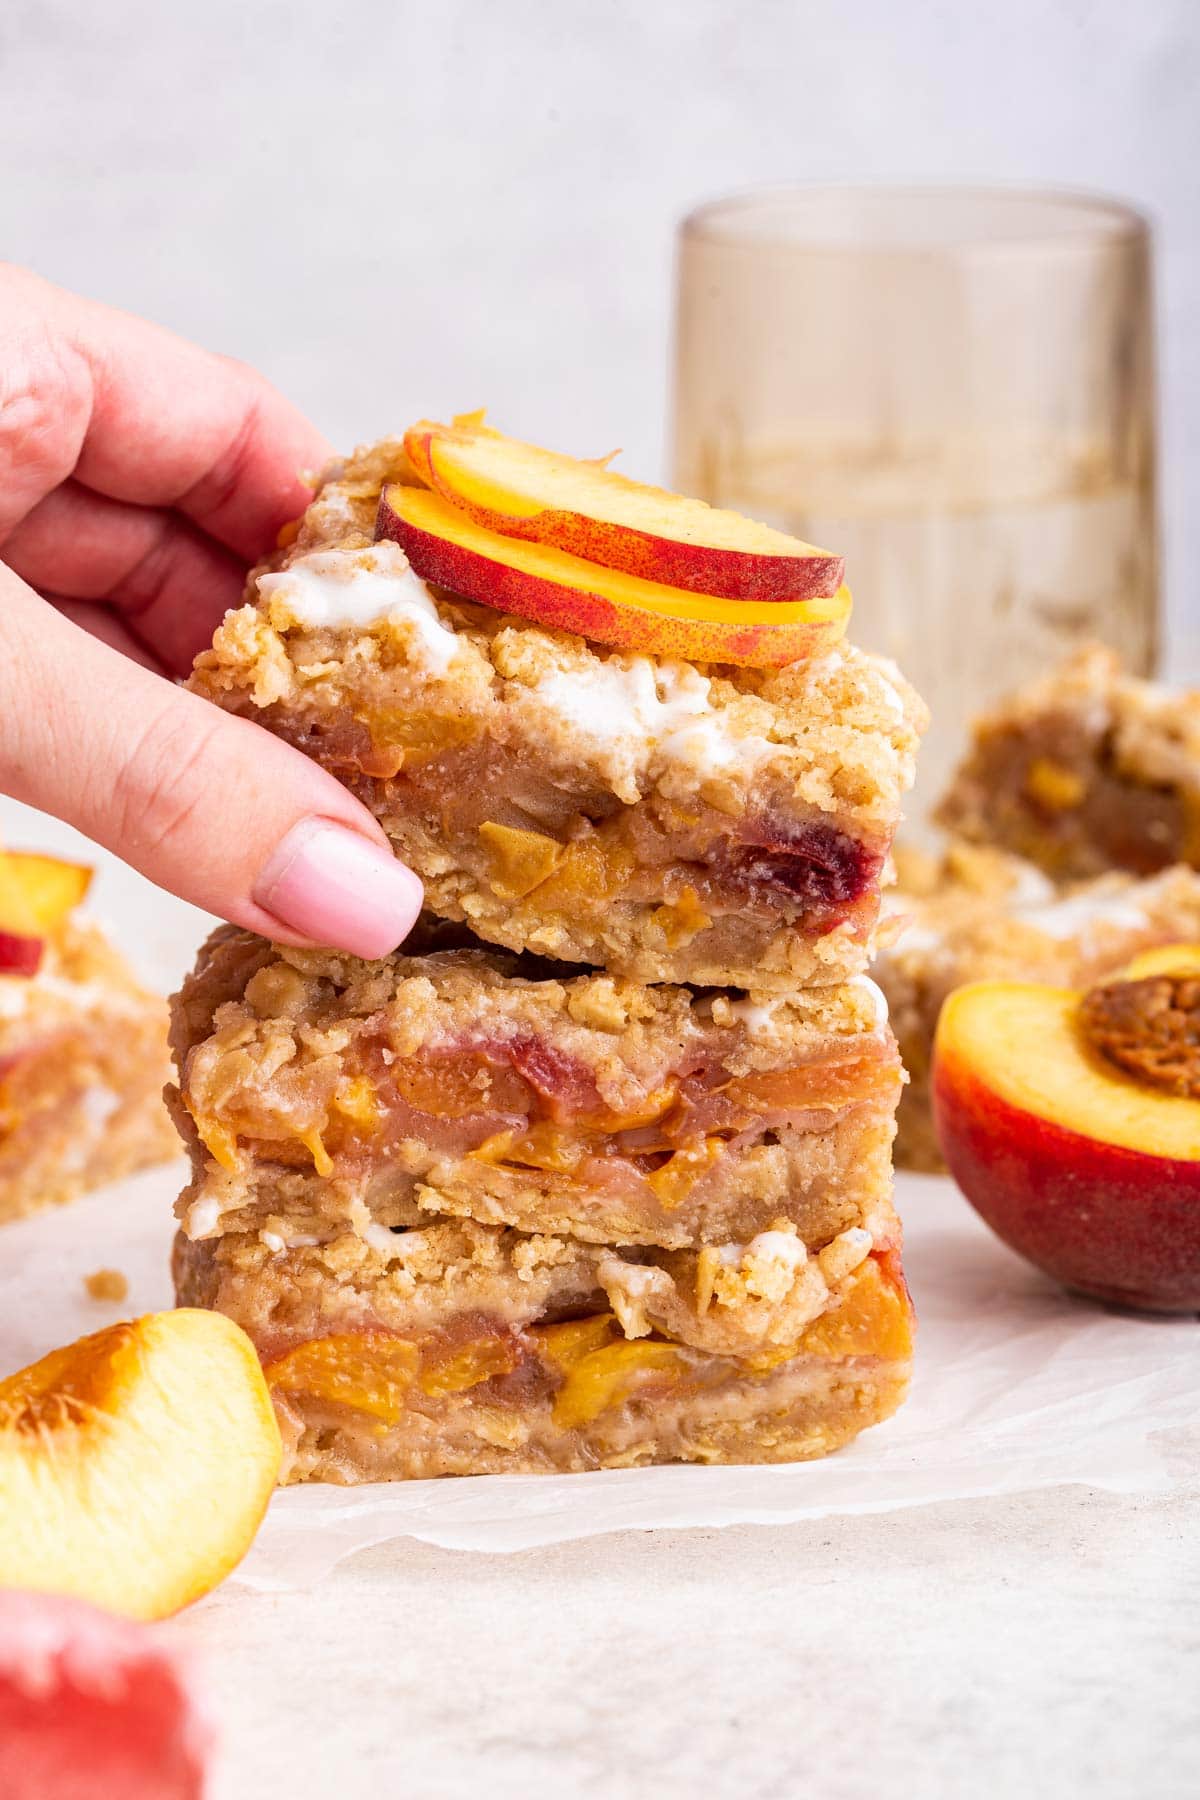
(1033, 1645)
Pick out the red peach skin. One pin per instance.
(1116, 1224)
(92, 1705)
(588, 509)
(20, 955)
(551, 587)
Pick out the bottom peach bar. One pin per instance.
(463, 1349)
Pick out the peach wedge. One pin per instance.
(552, 587)
(522, 491)
(136, 1464)
(1088, 1172)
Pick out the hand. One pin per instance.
(138, 477)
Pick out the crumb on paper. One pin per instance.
(106, 1284)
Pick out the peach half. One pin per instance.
(553, 587)
(1079, 1165)
(522, 491)
(136, 1464)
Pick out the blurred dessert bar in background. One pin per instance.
(974, 914)
(83, 1045)
(1086, 770)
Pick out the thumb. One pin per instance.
(210, 806)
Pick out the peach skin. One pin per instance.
(586, 508)
(136, 1464)
(1068, 1128)
(552, 587)
(91, 1704)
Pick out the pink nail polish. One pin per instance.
(327, 883)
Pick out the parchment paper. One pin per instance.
(1017, 1386)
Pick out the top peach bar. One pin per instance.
(668, 818)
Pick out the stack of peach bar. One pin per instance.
(596, 1171)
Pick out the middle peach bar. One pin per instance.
(318, 1093)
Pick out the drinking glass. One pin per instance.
(953, 388)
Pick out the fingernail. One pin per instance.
(331, 885)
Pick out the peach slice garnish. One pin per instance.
(553, 587)
(1087, 1171)
(37, 893)
(136, 1464)
(586, 508)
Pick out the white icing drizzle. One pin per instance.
(778, 1246)
(203, 1218)
(14, 995)
(877, 997)
(757, 1015)
(844, 1253)
(635, 1279)
(275, 1243)
(357, 588)
(888, 690)
(379, 1237)
(667, 705)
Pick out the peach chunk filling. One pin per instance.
(378, 1372)
(523, 1102)
(586, 1365)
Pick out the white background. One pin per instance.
(396, 207)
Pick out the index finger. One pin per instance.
(143, 416)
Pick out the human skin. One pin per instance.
(139, 476)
